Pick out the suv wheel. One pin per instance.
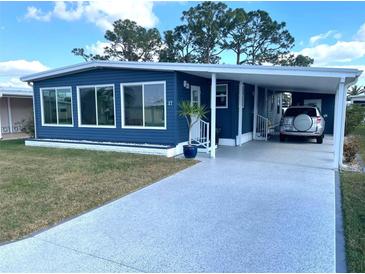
(282, 138)
(320, 140)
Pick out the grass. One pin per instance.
(353, 203)
(42, 186)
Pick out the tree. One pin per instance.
(237, 36)
(355, 90)
(256, 38)
(128, 42)
(88, 57)
(208, 24)
(297, 61)
(178, 46)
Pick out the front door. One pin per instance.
(195, 99)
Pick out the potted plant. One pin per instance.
(192, 113)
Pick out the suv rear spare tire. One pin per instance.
(303, 122)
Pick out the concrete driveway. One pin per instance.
(263, 207)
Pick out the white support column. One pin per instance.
(339, 126)
(10, 117)
(335, 122)
(213, 115)
(255, 106)
(240, 96)
(343, 87)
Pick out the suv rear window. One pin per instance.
(296, 111)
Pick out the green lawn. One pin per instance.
(353, 201)
(42, 186)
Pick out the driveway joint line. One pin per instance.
(91, 255)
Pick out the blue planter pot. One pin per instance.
(190, 151)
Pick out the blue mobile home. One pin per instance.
(132, 106)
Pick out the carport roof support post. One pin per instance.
(255, 111)
(240, 97)
(213, 114)
(339, 126)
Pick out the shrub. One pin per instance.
(350, 148)
(355, 116)
(28, 127)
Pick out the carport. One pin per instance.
(300, 80)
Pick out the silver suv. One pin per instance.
(304, 121)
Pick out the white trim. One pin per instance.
(96, 106)
(42, 109)
(208, 68)
(122, 85)
(244, 138)
(100, 146)
(240, 94)
(226, 96)
(255, 108)
(178, 150)
(10, 116)
(34, 113)
(213, 114)
(191, 93)
(227, 142)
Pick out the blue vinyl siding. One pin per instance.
(227, 118)
(247, 112)
(110, 76)
(183, 94)
(176, 131)
(328, 106)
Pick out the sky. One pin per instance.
(36, 36)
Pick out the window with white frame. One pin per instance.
(96, 106)
(57, 106)
(144, 105)
(222, 96)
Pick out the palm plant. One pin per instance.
(192, 113)
(355, 90)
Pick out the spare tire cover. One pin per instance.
(303, 122)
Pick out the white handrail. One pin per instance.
(200, 134)
(262, 127)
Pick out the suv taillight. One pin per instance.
(318, 119)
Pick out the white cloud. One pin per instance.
(13, 82)
(341, 52)
(329, 34)
(337, 53)
(97, 48)
(12, 70)
(100, 13)
(360, 35)
(18, 67)
(37, 14)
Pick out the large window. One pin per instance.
(56, 106)
(222, 96)
(96, 106)
(144, 105)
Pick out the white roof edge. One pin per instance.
(210, 68)
(13, 91)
